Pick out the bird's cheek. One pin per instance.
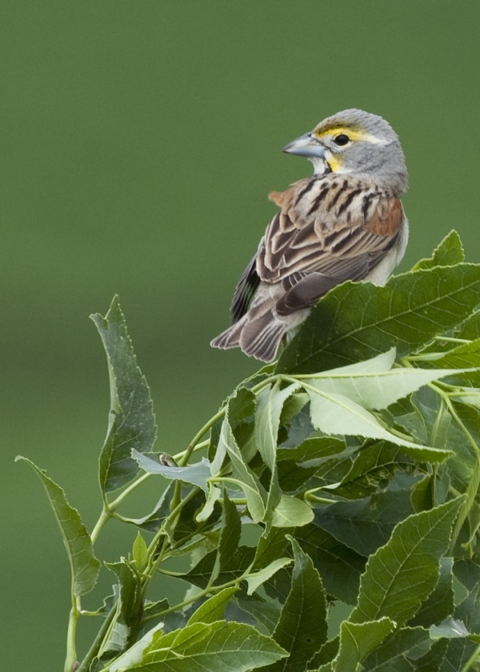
(334, 162)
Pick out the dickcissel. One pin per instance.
(346, 222)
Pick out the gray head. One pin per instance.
(355, 142)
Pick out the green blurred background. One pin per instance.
(139, 141)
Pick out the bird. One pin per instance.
(345, 222)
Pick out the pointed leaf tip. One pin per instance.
(448, 252)
(84, 565)
(131, 421)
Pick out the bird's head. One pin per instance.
(354, 142)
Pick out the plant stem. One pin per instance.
(186, 456)
(116, 502)
(97, 642)
(427, 357)
(202, 593)
(153, 564)
(437, 424)
(454, 413)
(450, 339)
(71, 657)
(320, 500)
(473, 658)
(182, 459)
(203, 444)
(104, 516)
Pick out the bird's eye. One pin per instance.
(341, 140)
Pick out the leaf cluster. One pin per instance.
(347, 472)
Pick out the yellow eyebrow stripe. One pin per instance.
(354, 134)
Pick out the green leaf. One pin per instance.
(129, 609)
(241, 410)
(470, 328)
(133, 654)
(333, 413)
(293, 477)
(372, 468)
(469, 424)
(414, 549)
(153, 520)
(213, 495)
(399, 652)
(318, 448)
(270, 403)
(464, 356)
(242, 402)
(291, 512)
(302, 627)
(292, 407)
(365, 524)
(256, 579)
(463, 633)
(377, 390)
(300, 428)
(461, 649)
(422, 496)
(463, 464)
(458, 654)
(279, 585)
(84, 565)
(433, 659)
(381, 363)
(467, 571)
(230, 532)
(131, 421)
(197, 474)
(326, 654)
(407, 416)
(449, 628)
(153, 615)
(440, 603)
(355, 321)
(216, 647)
(140, 552)
(297, 465)
(464, 397)
(186, 526)
(213, 609)
(235, 567)
(339, 566)
(468, 611)
(265, 612)
(448, 253)
(271, 545)
(254, 492)
(357, 640)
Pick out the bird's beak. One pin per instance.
(306, 145)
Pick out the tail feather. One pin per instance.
(258, 338)
(265, 346)
(230, 338)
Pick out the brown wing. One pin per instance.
(326, 233)
(244, 291)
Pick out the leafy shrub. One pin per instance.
(355, 460)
